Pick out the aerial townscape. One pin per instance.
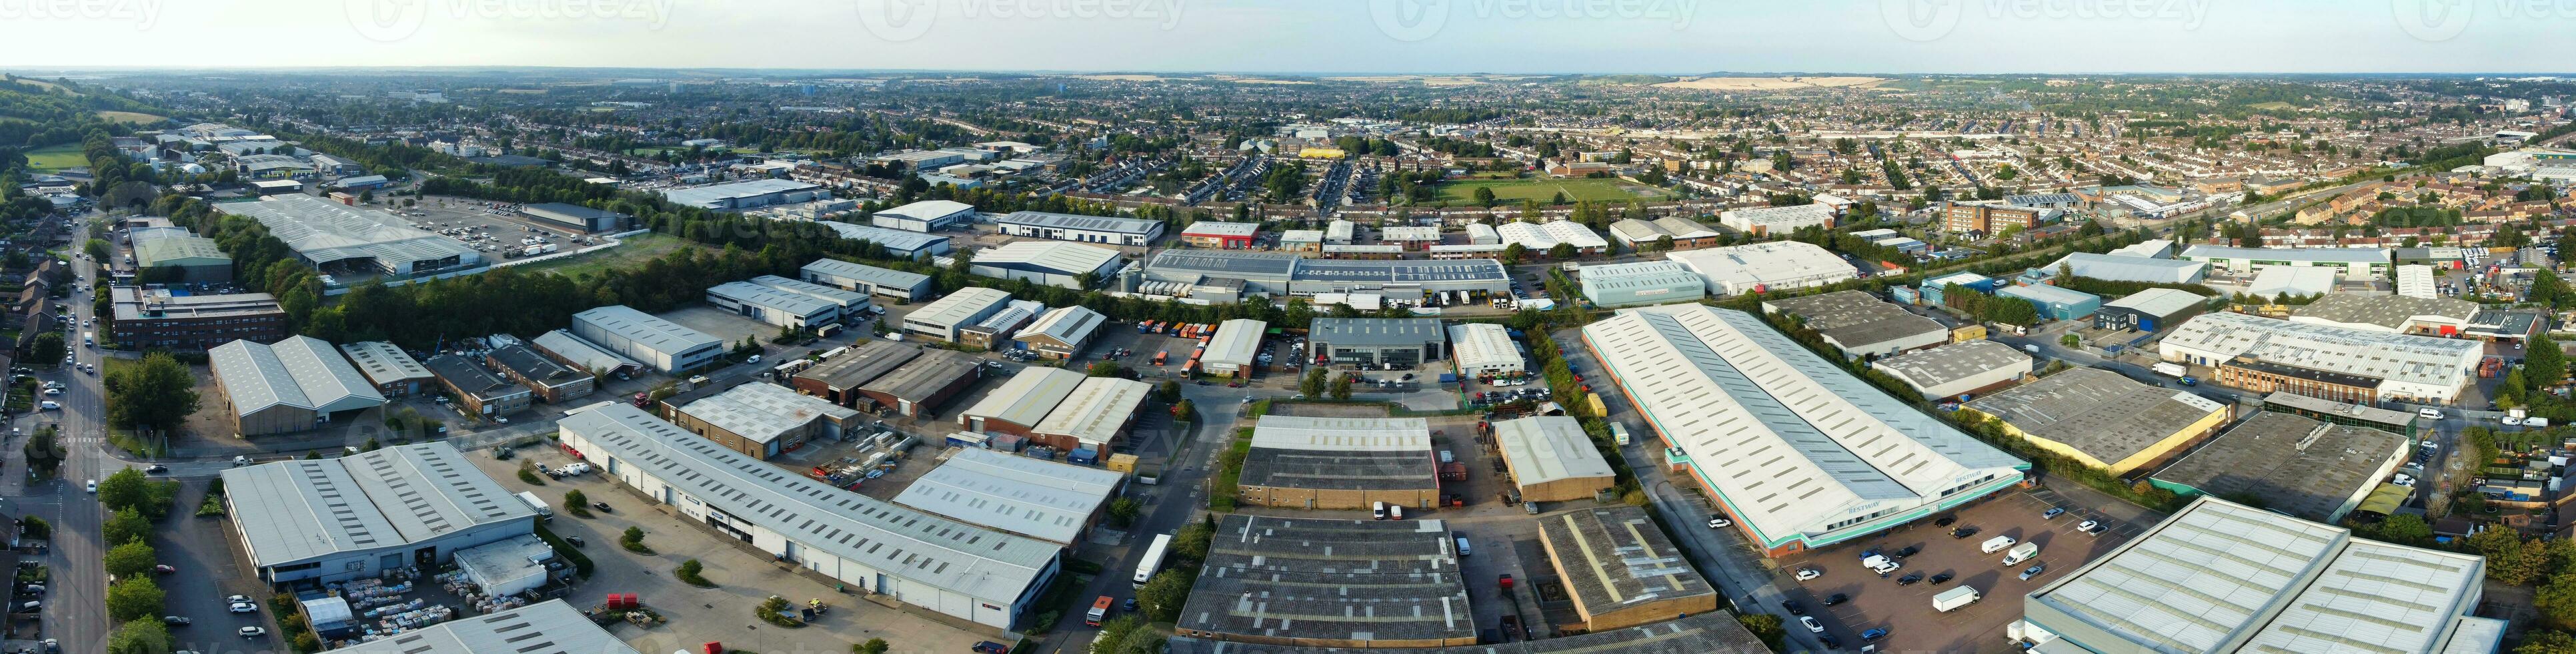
(1069, 327)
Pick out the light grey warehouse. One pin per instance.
(898, 243)
(657, 343)
(1379, 341)
(1274, 273)
(868, 279)
(1087, 229)
(1949, 370)
(1053, 263)
(1641, 283)
(308, 522)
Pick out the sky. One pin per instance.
(1310, 36)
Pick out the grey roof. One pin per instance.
(1341, 453)
(893, 239)
(2047, 293)
(1235, 342)
(2101, 413)
(838, 297)
(1215, 228)
(662, 335)
(2311, 255)
(2298, 465)
(325, 231)
(2159, 302)
(917, 547)
(774, 299)
(2118, 268)
(529, 364)
(555, 626)
(1097, 410)
(383, 363)
(927, 210)
(961, 308)
(1641, 274)
(1542, 449)
(2390, 311)
(871, 360)
(2444, 362)
(1854, 318)
(1058, 257)
(761, 412)
(470, 377)
(1276, 267)
(1377, 332)
(1615, 556)
(715, 195)
(867, 273)
(1330, 579)
(1070, 324)
(581, 352)
(138, 303)
(574, 211)
(302, 372)
(1011, 493)
(1027, 397)
(1714, 632)
(293, 511)
(162, 246)
(926, 374)
(1086, 223)
(1953, 362)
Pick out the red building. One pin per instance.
(1221, 236)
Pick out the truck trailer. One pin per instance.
(1954, 598)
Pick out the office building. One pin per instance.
(656, 343)
(309, 522)
(1377, 342)
(156, 319)
(2103, 419)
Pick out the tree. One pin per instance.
(2546, 642)
(633, 540)
(1342, 387)
(2510, 559)
(1484, 196)
(130, 559)
(140, 637)
(1313, 384)
(1162, 595)
(1123, 511)
(98, 249)
(35, 528)
(157, 393)
(125, 526)
(2071, 340)
(1170, 391)
(128, 489)
(1192, 541)
(2556, 601)
(1765, 626)
(48, 347)
(873, 646)
(134, 598)
(2544, 365)
(44, 451)
(2402, 529)
(1103, 369)
(576, 498)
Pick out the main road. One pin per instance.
(75, 610)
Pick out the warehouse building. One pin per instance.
(1276, 273)
(1542, 238)
(1760, 221)
(2336, 363)
(763, 420)
(1935, 290)
(1714, 383)
(2221, 577)
(478, 392)
(2149, 310)
(552, 382)
(1377, 342)
(2349, 263)
(656, 343)
(1862, 325)
(872, 280)
(1340, 463)
(1220, 236)
(838, 379)
(852, 304)
(2279, 281)
(155, 319)
(1093, 416)
(1061, 333)
(772, 306)
(1621, 569)
(2104, 419)
(391, 370)
(1703, 633)
(747, 194)
(1765, 267)
(2402, 423)
(1552, 460)
(310, 522)
(2120, 268)
(2298, 465)
(1019, 404)
(576, 217)
(2054, 303)
(2417, 281)
(919, 387)
(1686, 234)
(297, 384)
(998, 329)
(1641, 283)
(1110, 230)
(1962, 368)
(1483, 349)
(1015, 495)
(2395, 314)
(561, 628)
(875, 547)
(945, 319)
(334, 237)
(1314, 582)
(1232, 349)
(176, 255)
(573, 351)
(924, 216)
(915, 246)
(1052, 263)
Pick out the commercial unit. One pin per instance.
(297, 384)
(850, 303)
(1018, 405)
(1956, 369)
(1220, 236)
(2279, 281)
(1542, 238)
(552, 382)
(1484, 349)
(2349, 263)
(1015, 495)
(658, 344)
(1715, 632)
(1765, 267)
(1094, 416)
(576, 217)
(941, 565)
(573, 351)
(2103, 419)
(1641, 283)
(2194, 584)
(2401, 423)
(391, 370)
(1340, 463)
(1111, 230)
(772, 306)
(1061, 332)
(944, 319)
(920, 386)
(1552, 460)
(2298, 465)
(1760, 221)
(2416, 281)
(1275, 273)
(1714, 383)
(334, 237)
(868, 279)
(155, 319)
(172, 254)
(996, 330)
(1377, 342)
(1862, 325)
(1052, 263)
(1392, 583)
(2054, 303)
(924, 216)
(838, 378)
(478, 392)
(1685, 233)
(2336, 363)
(1991, 219)
(747, 194)
(2149, 310)
(1936, 290)
(916, 246)
(2395, 314)
(1407, 237)
(2119, 268)
(558, 627)
(762, 420)
(310, 522)
(1621, 569)
(1232, 349)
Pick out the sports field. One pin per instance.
(634, 251)
(56, 157)
(1513, 191)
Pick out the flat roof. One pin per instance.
(1235, 342)
(1053, 220)
(2355, 411)
(1616, 556)
(293, 511)
(2363, 353)
(1376, 332)
(1954, 362)
(1799, 213)
(2160, 302)
(2298, 465)
(2103, 414)
(1855, 318)
(795, 304)
(918, 547)
(573, 211)
(1481, 345)
(1714, 632)
(131, 303)
(1221, 229)
(926, 374)
(1026, 398)
(1015, 494)
(867, 273)
(2047, 293)
(835, 296)
(2120, 268)
(1341, 453)
(893, 239)
(2390, 311)
(302, 372)
(712, 195)
(763, 412)
(651, 331)
(1281, 267)
(1778, 262)
(557, 627)
(960, 308)
(383, 362)
(1544, 449)
(1097, 410)
(861, 365)
(324, 231)
(2308, 255)
(1334, 579)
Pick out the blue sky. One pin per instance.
(1397, 36)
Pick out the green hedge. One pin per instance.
(580, 563)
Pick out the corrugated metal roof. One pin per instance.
(761, 412)
(1235, 342)
(1011, 493)
(301, 371)
(1097, 410)
(293, 511)
(1026, 399)
(1543, 449)
(555, 626)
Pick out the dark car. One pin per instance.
(1908, 580)
(1828, 640)
(1865, 554)
(1793, 607)
(1963, 532)
(1837, 598)
(990, 647)
(1945, 521)
(1941, 578)
(155, 469)
(1130, 605)
(603, 507)
(1909, 550)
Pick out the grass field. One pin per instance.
(129, 117)
(52, 158)
(636, 250)
(1512, 191)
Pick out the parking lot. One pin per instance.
(1877, 601)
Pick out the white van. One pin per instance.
(1996, 543)
(1378, 511)
(1395, 512)
(2429, 414)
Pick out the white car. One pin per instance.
(1812, 624)
(49, 405)
(1886, 567)
(1809, 573)
(93, 487)
(2429, 414)
(2087, 525)
(244, 607)
(253, 632)
(53, 391)
(2512, 420)
(2403, 479)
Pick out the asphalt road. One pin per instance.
(75, 612)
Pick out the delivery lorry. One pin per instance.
(2171, 369)
(539, 504)
(2021, 553)
(1954, 598)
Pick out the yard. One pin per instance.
(130, 117)
(56, 157)
(1513, 191)
(635, 251)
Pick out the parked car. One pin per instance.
(243, 607)
(1811, 623)
(175, 620)
(1793, 607)
(1909, 580)
(1874, 634)
(253, 632)
(1942, 578)
(2034, 571)
(1809, 573)
(1837, 598)
(1718, 521)
(990, 647)
(2052, 513)
(1963, 532)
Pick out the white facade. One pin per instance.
(1541, 237)
(657, 343)
(1777, 220)
(2353, 263)
(772, 306)
(924, 216)
(1481, 348)
(2412, 368)
(1775, 266)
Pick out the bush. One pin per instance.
(528, 473)
(577, 503)
(776, 612)
(580, 562)
(35, 527)
(633, 541)
(693, 572)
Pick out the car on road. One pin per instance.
(1809, 573)
(990, 647)
(1793, 607)
(1836, 598)
(1718, 521)
(2429, 414)
(1942, 578)
(253, 632)
(1874, 634)
(53, 391)
(93, 487)
(2033, 571)
(1829, 642)
(243, 607)
(164, 569)
(175, 620)
(603, 507)
(155, 469)
(49, 405)
(2052, 513)
(1812, 624)
(1130, 605)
